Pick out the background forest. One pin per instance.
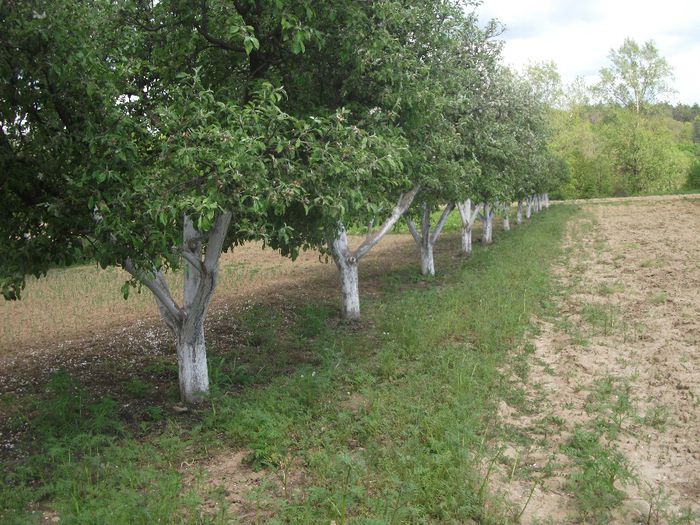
(619, 137)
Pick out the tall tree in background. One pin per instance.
(637, 76)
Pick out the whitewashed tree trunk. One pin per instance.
(187, 322)
(348, 261)
(427, 261)
(487, 218)
(349, 278)
(506, 217)
(468, 217)
(519, 213)
(192, 363)
(425, 239)
(528, 208)
(546, 200)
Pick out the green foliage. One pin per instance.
(632, 145)
(636, 77)
(693, 181)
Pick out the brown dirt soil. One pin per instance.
(228, 486)
(628, 315)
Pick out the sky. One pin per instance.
(579, 34)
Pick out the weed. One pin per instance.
(599, 468)
(610, 403)
(657, 262)
(656, 417)
(137, 387)
(660, 298)
(604, 319)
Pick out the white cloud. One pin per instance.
(578, 35)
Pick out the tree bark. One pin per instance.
(427, 261)
(487, 218)
(528, 208)
(349, 277)
(506, 217)
(192, 361)
(468, 217)
(519, 213)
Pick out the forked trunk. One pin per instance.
(187, 322)
(347, 261)
(519, 213)
(467, 217)
(425, 239)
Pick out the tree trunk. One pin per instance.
(187, 322)
(546, 200)
(192, 360)
(487, 217)
(528, 208)
(467, 239)
(519, 213)
(427, 263)
(506, 218)
(347, 261)
(425, 239)
(350, 291)
(349, 278)
(467, 216)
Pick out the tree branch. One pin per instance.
(404, 203)
(414, 232)
(441, 223)
(195, 262)
(215, 241)
(159, 289)
(203, 29)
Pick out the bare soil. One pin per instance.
(629, 316)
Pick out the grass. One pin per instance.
(429, 363)
(660, 298)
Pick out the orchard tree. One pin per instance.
(636, 77)
(387, 63)
(112, 151)
(496, 145)
(461, 63)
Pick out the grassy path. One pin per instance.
(392, 421)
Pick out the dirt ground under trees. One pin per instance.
(619, 358)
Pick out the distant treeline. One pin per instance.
(614, 151)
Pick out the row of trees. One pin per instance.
(617, 136)
(156, 135)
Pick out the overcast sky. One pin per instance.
(579, 34)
